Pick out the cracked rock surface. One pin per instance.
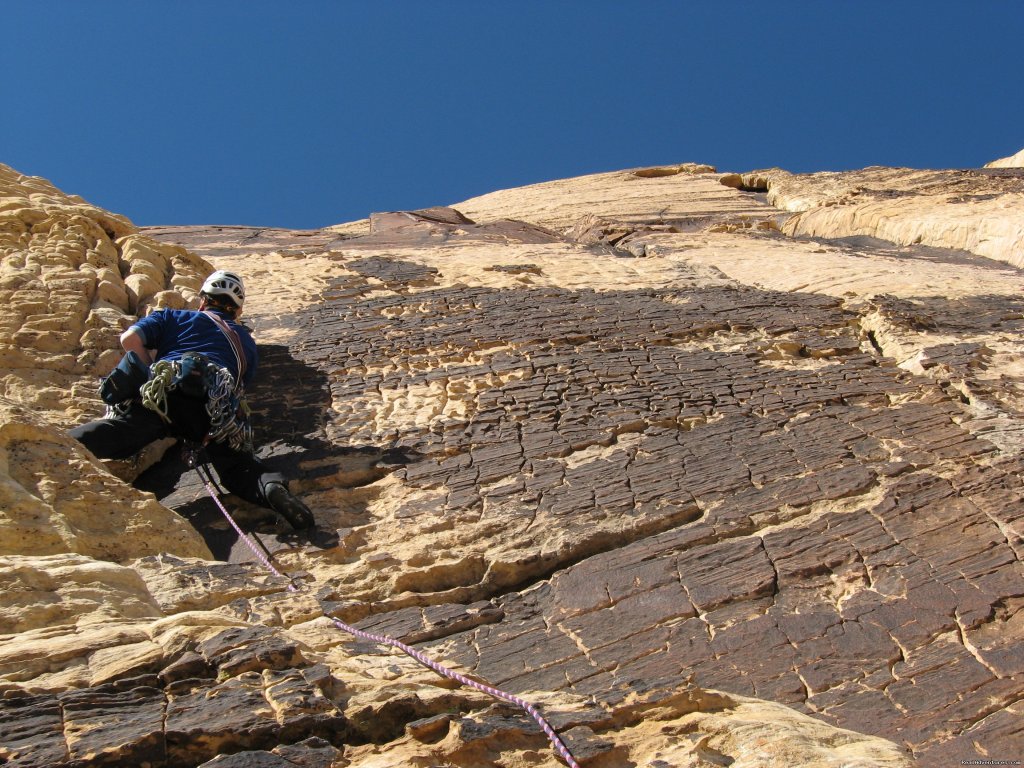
(679, 456)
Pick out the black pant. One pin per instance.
(122, 436)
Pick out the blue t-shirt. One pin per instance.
(173, 332)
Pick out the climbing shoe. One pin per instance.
(288, 506)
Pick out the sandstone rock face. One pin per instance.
(56, 498)
(979, 211)
(690, 197)
(72, 277)
(707, 487)
(1013, 161)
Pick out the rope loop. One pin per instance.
(154, 392)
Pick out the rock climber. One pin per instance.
(184, 375)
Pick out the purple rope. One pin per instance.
(245, 537)
(497, 693)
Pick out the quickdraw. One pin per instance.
(228, 411)
(440, 669)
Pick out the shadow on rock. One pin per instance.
(289, 407)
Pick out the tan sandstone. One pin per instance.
(1013, 161)
(831, 414)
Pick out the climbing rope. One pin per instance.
(154, 392)
(556, 741)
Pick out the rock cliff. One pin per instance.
(714, 468)
(1013, 161)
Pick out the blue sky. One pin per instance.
(303, 114)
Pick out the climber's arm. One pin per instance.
(133, 341)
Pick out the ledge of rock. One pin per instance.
(976, 210)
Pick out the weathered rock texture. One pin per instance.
(1013, 161)
(973, 210)
(712, 475)
(71, 279)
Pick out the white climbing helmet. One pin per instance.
(223, 283)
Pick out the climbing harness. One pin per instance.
(194, 375)
(265, 560)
